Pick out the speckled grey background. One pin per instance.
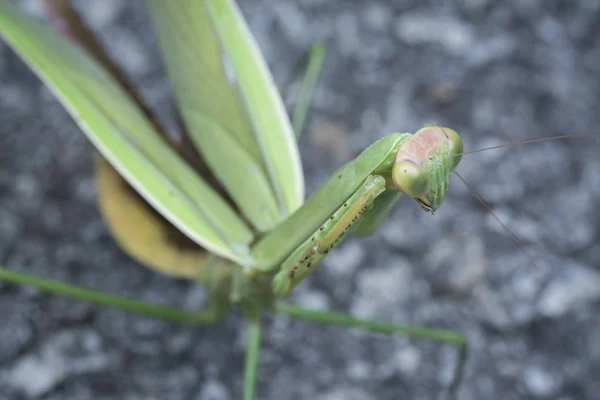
(494, 71)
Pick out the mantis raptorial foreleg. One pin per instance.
(334, 229)
(371, 220)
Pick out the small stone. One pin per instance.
(379, 288)
(487, 51)
(86, 190)
(457, 263)
(214, 390)
(101, 14)
(312, 299)
(525, 227)
(423, 28)
(570, 289)
(293, 22)
(359, 369)
(175, 382)
(377, 17)
(196, 298)
(540, 382)
(474, 6)
(397, 236)
(348, 34)
(27, 186)
(15, 330)
(347, 393)
(331, 137)
(516, 286)
(346, 258)
(16, 99)
(62, 355)
(568, 213)
(9, 226)
(34, 7)
(128, 49)
(409, 360)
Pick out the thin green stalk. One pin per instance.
(316, 57)
(98, 297)
(252, 356)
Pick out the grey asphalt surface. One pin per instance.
(494, 71)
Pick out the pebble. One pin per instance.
(381, 287)
(541, 382)
(420, 28)
(572, 288)
(214, 390)
(61, 356)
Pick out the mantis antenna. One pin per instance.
(515, 238)
(514, 144)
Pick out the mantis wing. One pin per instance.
(216, 119)
(125, 137)
(268, 117)
(237, 123)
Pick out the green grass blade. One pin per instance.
(105, 299)
(126, 138)
(252, 356)
(316, 57)
(212, 113)
(265, 108)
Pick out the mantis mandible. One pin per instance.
(261, 237)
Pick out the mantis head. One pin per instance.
(424, 162)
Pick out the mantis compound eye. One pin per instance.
(411, 179)
(456, 146)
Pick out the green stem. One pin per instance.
(316, 57)
(98, 297)
(252, 356)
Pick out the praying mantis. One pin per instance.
(300, 254)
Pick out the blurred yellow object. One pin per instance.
(140, 231)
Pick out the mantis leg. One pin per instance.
(206, 317)
(446, 336)
(373, 218)
(252, 356)
(315, 248)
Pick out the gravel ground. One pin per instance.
(494, 71)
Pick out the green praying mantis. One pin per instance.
(237, 221)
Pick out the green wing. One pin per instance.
(237, 122)
(261, 99)
(125, 137)
(213, 116)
